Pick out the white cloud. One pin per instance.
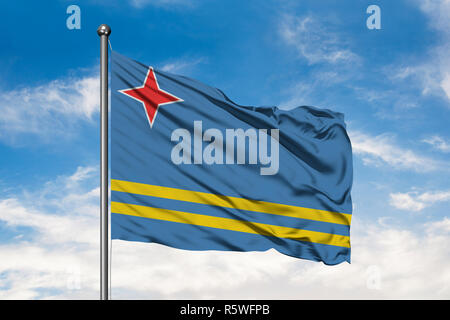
(314, 42)
(440, 227)
(381, 150)
(61, 211)
(439, 12)
(414, 201)
(59, 243)
(430, 77)
(432, 197)
(405, 201)
(82, 173)
(433, 74)
(445, 84)
(438, 143)
(410, 79)
(61, 259)
(48, 109)
(311, 90)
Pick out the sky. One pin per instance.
(392, 84)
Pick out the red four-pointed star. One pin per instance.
(151, 96)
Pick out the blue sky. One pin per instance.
(393, 85)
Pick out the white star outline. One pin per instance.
(150, 69)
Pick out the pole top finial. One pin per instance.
(104, 30)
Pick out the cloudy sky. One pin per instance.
(393, 85)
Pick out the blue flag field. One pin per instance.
(193, 170)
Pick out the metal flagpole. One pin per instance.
(104, 31)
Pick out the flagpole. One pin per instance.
(104, 31)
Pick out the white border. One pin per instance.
(142, 102)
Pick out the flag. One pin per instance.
(192, 169)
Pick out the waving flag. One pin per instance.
(191, 169)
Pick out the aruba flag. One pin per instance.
(193, 170)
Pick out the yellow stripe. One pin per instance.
(231, 202)
(230, 224)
